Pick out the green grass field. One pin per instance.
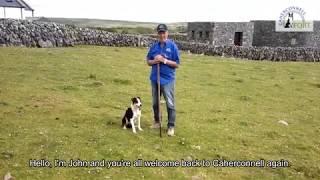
(67, 103)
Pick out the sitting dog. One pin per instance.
(131, 118)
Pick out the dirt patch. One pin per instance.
(47, 101)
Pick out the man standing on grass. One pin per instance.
(164, 52)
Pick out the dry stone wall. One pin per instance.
(40, 34)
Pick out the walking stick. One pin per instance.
(158, 82)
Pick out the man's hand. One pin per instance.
(168, 62)
(159, 58)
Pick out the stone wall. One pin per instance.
(224, 33)
(200, 31)
(314, 38)
(174, 36)
(220, 33)
(254, 53)
(40, 34)
(255, 33)
(265, 35)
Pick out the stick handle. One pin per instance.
(158, 83)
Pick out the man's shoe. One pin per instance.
(170, 131)
(155, 125)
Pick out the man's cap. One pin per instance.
(162, 28)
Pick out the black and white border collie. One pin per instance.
(131, 118)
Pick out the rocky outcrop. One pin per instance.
(45, 35)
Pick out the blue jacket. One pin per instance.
(171, 52)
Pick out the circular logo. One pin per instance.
(290, 15)
(292, 19)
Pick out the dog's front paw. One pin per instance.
(140, 129)
(135, 132)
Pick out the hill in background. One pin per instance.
(132, 27)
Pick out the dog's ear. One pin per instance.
(139, 98)
(134, 100)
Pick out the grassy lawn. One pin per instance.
(67, 103)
